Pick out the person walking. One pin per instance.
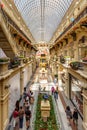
(15, 116)
(28, 116)
(52, 90)
(21, 116)
(75, 116)
(68, 114)
(56, 93)
(55, 96)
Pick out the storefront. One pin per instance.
(76, 94)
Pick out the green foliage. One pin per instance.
(4, 59)
(74, 65)
(21, 56)
(51, 122)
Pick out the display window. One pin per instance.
(76, 94)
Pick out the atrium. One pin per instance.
(43, 64)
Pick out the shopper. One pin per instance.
(68, 114)
(52, 90)
(21, 116)
(32, 98)
(15, 116)
(56, 93)
(25, 93)
(28, 116)
(75, 116)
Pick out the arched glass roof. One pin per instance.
(42, 16)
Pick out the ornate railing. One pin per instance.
(81, 15)
(12, 23)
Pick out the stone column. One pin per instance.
(21, 80)
(59, 70)
(76, 51)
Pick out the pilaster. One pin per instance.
(4, 100)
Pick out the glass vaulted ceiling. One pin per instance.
(42, 16)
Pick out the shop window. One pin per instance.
(76, 94)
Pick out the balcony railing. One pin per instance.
(12, 23)
(81, 15)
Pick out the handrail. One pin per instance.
(7, 18)
(82, 14)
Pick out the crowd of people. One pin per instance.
(23, 111)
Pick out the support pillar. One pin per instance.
(4, 95)
(4, 102)
(76, 52)
(59, 74)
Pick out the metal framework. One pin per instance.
(42, 16)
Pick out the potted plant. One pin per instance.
(14, 63)
(74, 65)
(4, 59)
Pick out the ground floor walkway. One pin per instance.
(45, 82)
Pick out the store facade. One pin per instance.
(76, 94)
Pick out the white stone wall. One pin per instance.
(26, 76)
(30, 70)
(14, 92)
(2, 54)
